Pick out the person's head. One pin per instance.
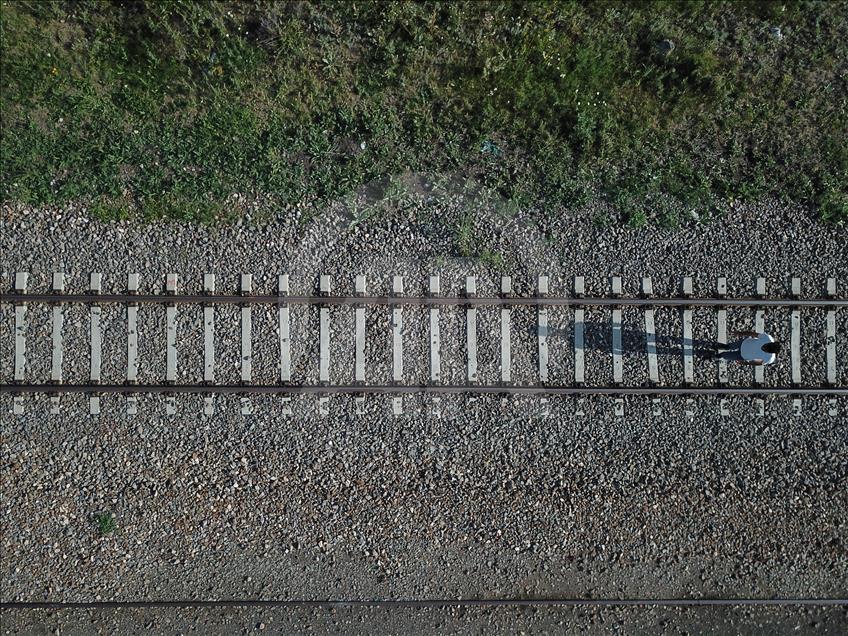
(771, 347)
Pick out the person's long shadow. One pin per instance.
(598, 337)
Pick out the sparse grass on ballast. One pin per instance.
(105, 522)
(165, 109)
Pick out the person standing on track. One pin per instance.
(755, 348)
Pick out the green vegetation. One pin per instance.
(465, 239)
(492, 259)
(105, 522)
(166, 109)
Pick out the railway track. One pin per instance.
(432, 603)
(420, 354)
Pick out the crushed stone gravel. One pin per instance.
(490, 498)
(502, 620)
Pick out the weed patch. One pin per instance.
(105, 523)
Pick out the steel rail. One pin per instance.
(425, 603)
(275, 299)
(354, 389)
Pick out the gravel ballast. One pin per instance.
(491, 499)
(452, 620)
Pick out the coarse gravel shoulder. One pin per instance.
(421, 238)
(491, 499)
(716, 621)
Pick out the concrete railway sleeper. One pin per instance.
(584, 358)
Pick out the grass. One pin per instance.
(465, 240)
(105, 523)
(164, 110)
(492, 259)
